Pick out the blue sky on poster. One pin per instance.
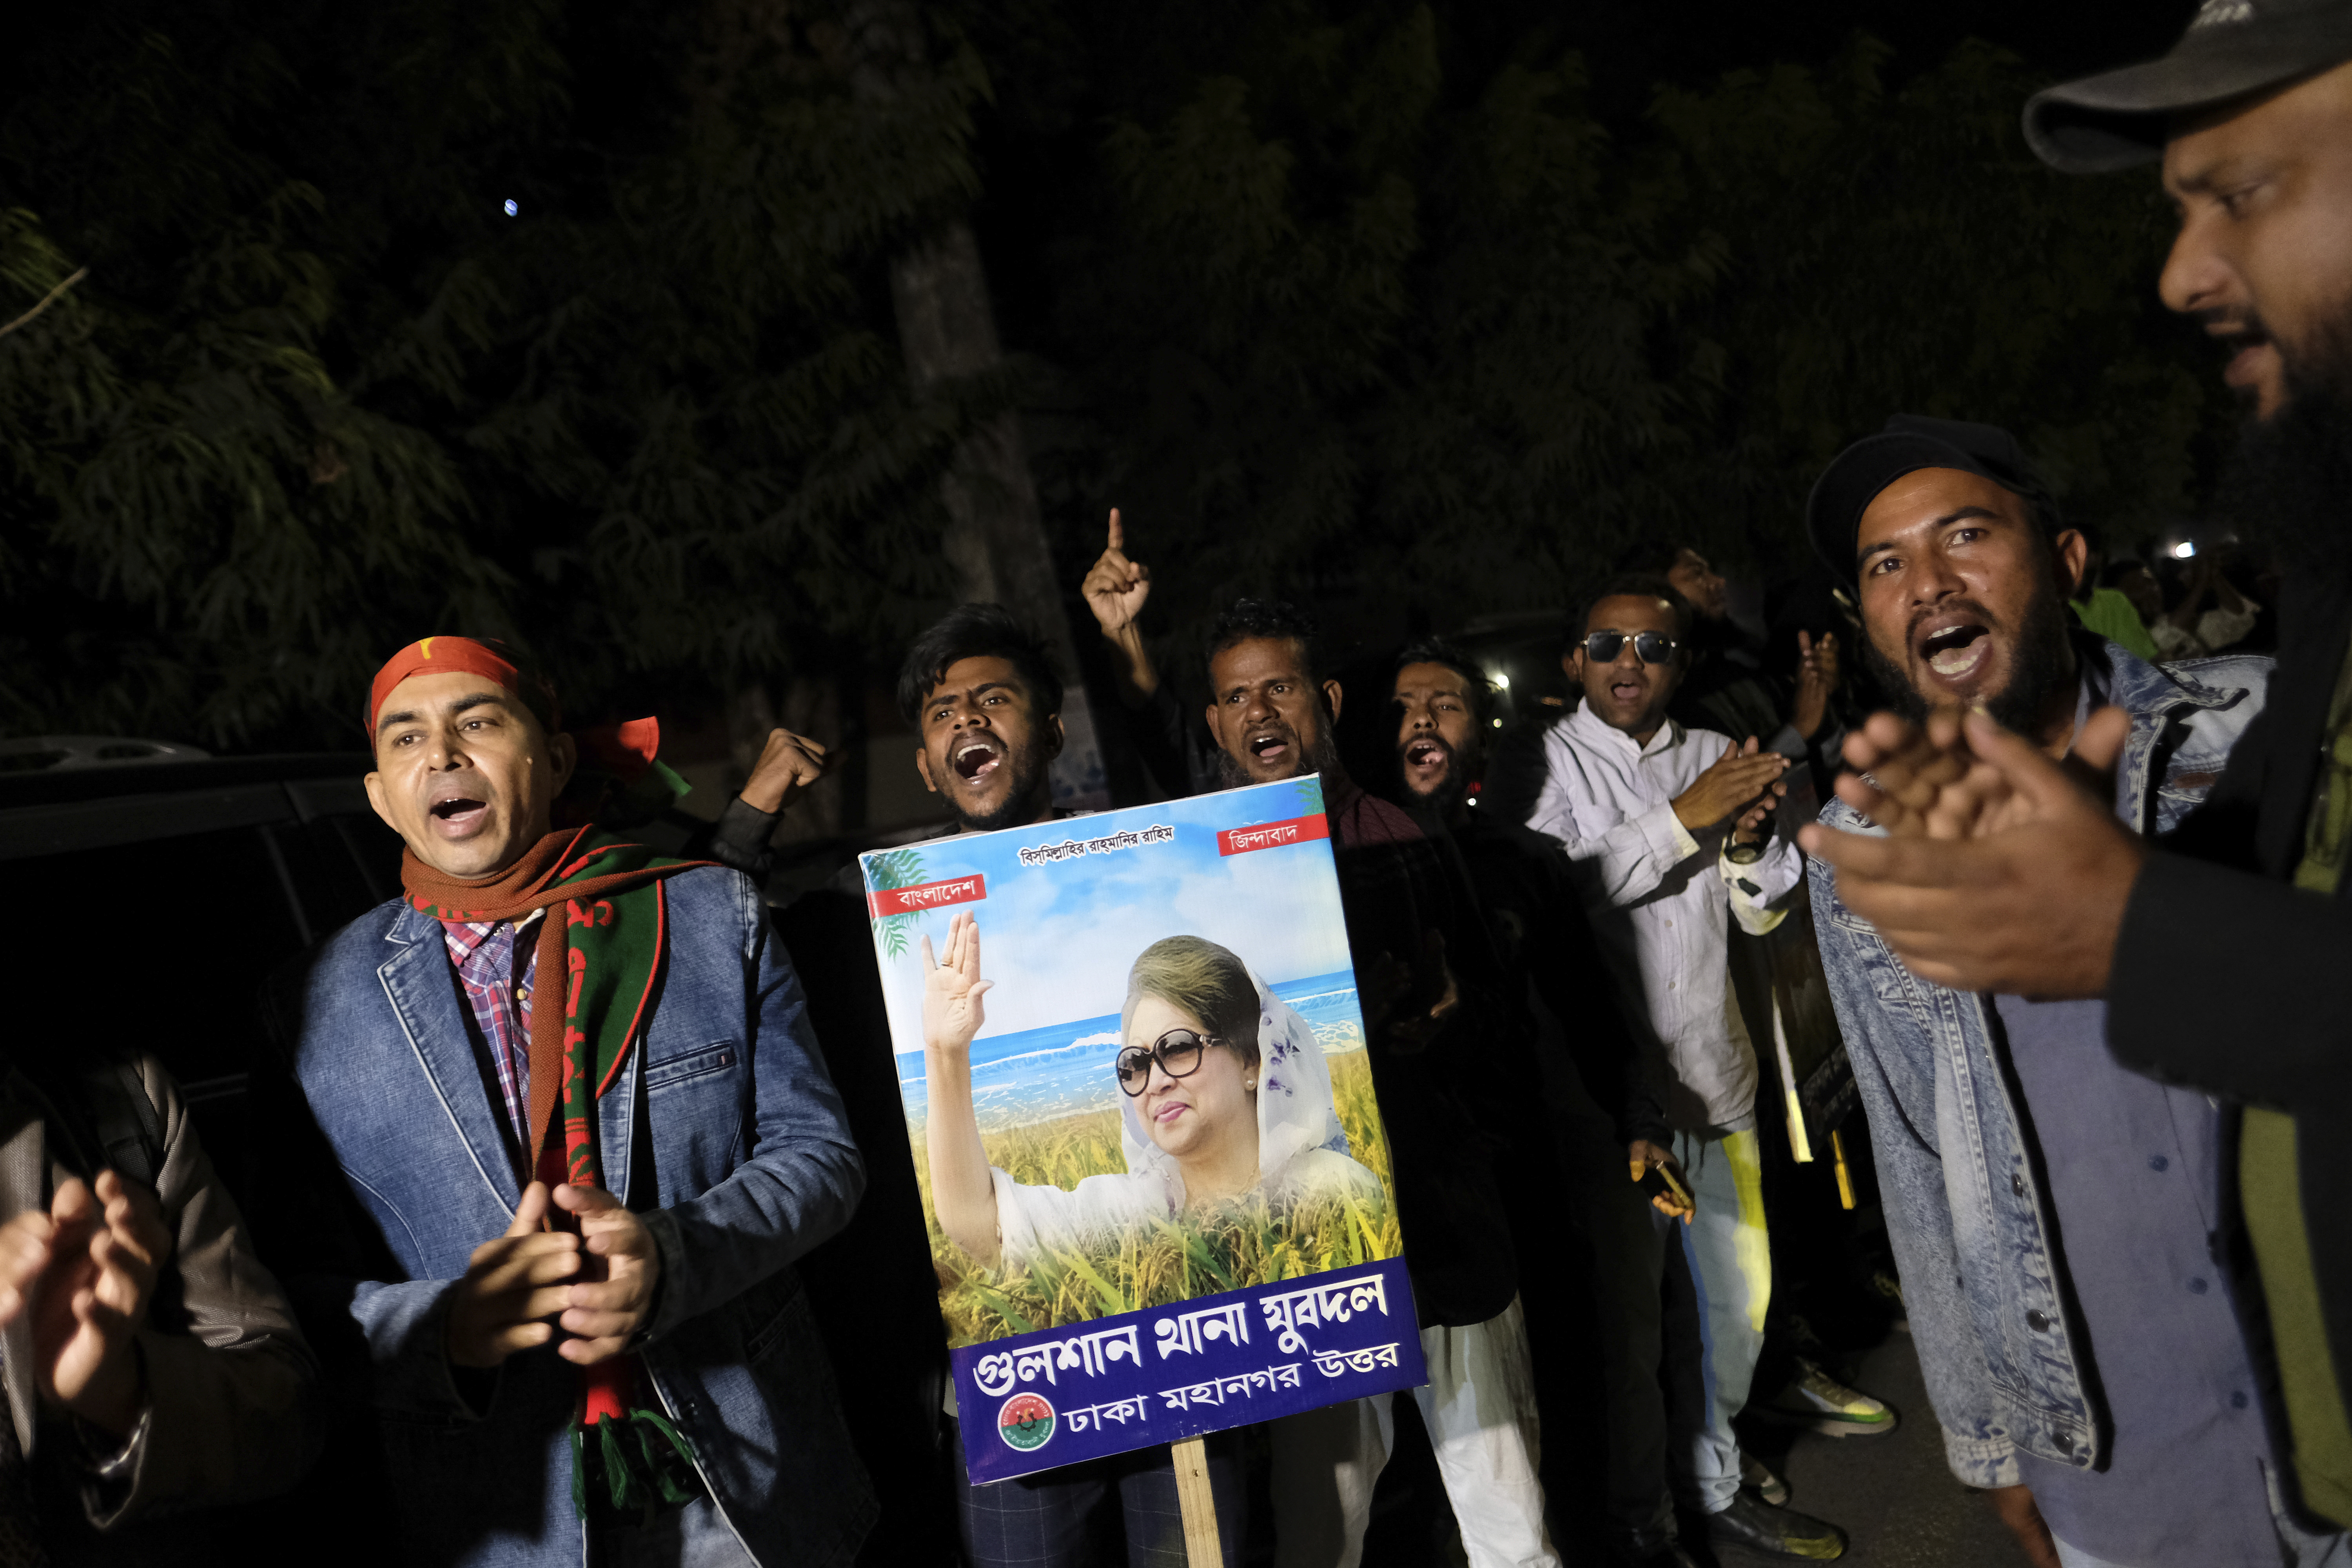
(1058, 938)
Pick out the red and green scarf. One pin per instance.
(606, 934)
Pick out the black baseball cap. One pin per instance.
(2232, 49)
(1910, 442)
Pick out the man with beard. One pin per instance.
(2004, 874)
(1594, 1103)
(1665, 833)
(1432, 1016)
(2132, 1423)
(981, 691)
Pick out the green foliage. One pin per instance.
(172, 562)
(895, 868)
(1355, 303)
(1899, 247)
(1393, 323)
(320, 394)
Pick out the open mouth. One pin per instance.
(458, 812)
(2246, 349)
(1957, 652)
(1271, 746)
(1427, 755)
(1629, 691)
(975, 758)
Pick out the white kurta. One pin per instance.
(1657, 895)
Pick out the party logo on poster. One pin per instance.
(1025, 1422)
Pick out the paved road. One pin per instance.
(1896, 1500)
(1894, 1496)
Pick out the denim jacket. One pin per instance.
(1972, 1229)
(723, 1131)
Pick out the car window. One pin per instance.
(159, 946)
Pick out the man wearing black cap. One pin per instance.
(2049, 1209)
(2218, 953)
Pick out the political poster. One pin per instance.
(1142, 1121)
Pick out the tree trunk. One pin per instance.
(946, 330)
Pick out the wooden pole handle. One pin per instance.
(1199, 1504)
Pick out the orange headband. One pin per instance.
(446, 656)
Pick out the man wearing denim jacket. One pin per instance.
(565, 1296)
(2053, 1214)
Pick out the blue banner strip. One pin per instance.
(1033, 1402)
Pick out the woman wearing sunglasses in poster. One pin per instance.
(1224, 1094)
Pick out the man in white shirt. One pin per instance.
(1667, 833)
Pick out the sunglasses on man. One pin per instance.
(1178, 1052)
(1649, 647)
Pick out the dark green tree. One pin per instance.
(323, 388)
(1894, 245)
(1359, 303)
(1385, 317)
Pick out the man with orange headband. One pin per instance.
(591, 1203)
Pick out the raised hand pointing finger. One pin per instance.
(1116, 587)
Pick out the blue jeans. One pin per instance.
(1714, 1327)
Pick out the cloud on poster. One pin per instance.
(1058, 938)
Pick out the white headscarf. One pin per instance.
(1295, 1113)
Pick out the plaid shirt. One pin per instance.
(483, 953)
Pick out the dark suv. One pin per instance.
(151, 896)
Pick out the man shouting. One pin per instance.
(591, 1198)
(2214, 957)
(2074, 1221)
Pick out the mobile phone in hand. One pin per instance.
(1661, 1182)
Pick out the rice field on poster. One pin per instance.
(1182, 1259)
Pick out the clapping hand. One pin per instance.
(621, 1267)
(512, 1286)
(1927, 781)
(1743, 782)
(2003, 871)
(1750, 828)
(86, 1271)
(953, 989)
(1912, 780)
(1818, 676)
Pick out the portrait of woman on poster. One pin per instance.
(1224, 1095)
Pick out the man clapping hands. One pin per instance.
(119, 1409)
(81, 1273)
